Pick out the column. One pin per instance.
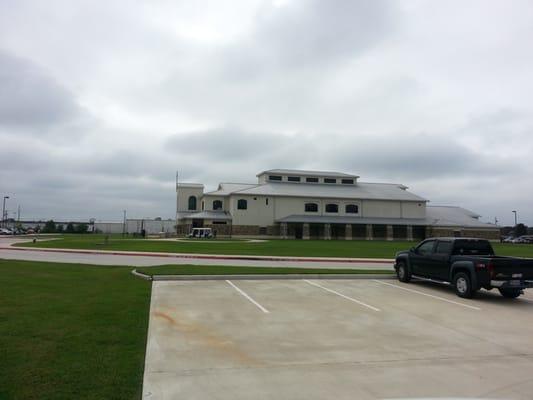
(348, 232)
(305, 232)
(390, 232)
(327, 232)
(283, 230)
(410, 232)
(369, 233)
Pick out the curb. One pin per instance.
(258, 277)
(208, 256)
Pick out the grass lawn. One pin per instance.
(229, 270)
(304, 248)
(70, 331)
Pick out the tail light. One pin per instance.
(489, 267)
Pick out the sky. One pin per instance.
(101, 102)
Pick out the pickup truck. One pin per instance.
(468, 264)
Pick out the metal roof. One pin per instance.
(215, 215)
(435, 216)
(372, 191)
(225, 189)
(307, 173)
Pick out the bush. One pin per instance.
(49, 227)
(70, 228)
(81, 228)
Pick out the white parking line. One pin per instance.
(249, 298)
(342, 295)
(428, 295)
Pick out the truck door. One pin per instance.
(441, 260)
(421, 258)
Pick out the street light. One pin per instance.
(515, 218)
(4, 211)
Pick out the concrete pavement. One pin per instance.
(309, 339)
(102, 257)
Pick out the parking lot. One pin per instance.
(335, 339)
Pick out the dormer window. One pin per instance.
(330, 180)
(293, 178)
(274, 177)
(311, 180)
(347, 181)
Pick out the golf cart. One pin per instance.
(201, 233)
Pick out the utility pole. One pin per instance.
(177, 203)
(4, 211)
(124, 224)
(18, 213)
(515, 218)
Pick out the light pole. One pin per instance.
(124, 224)
(4, 211)
(515, 218)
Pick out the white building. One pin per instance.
(318, 204)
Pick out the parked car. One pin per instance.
(468, 264)
(508, 239)
(5, 231)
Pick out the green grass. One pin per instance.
(69, 331)
(302, 248)
(230, 270)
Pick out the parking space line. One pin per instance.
(249, 298)
(428, 295)
(342, 295)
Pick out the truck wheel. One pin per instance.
(463, 285)
(510, 293)
(402, 272)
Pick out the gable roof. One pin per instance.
(307, 173)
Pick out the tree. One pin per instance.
(520, 229)
(70, 228)
(49, 227)
(81, 228)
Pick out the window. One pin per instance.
(332, 208)
(266, 201)
(192, 203)
(217, 205)
(351, 209)
(473, 247)
(219, 222)
(274, 177)
(242, 204)
(311, 180)
(425, 248)
(330, 180)
(443, 247)
(311, 207)
(347, 181)
(203, 204)
(293, 178)
(262, 230)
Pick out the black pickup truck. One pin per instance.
(468, 264)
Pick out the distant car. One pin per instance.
(508, 239)
(520, 240)
(5, 231)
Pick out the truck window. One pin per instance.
(426, 248)
(443, 247)
(473, 248)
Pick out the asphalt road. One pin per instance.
(361, 339)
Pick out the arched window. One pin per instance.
(311, 207)
(242, 204)
(217, 205)
(332, 208)
(352, 209)
(192, 203)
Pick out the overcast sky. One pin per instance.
(101, 102)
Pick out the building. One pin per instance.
(321, 205)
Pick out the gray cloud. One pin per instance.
(31, 97)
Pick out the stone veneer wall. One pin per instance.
(491, 234)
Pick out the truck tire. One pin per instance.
(402, 272)
(463, 285)
(510, 293)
